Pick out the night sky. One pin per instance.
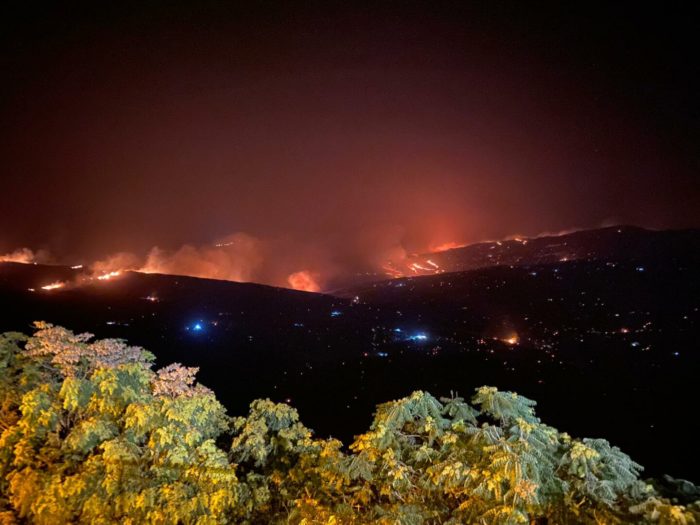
(322, 136)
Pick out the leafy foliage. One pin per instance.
(90, 433)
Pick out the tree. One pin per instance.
(91, 433)
(97, 437)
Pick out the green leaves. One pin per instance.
(99, 437)
(88, 434)
(91, 434)
(271, 433)
(598, 473)
(504, 407)
(76, 393)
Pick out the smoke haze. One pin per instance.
(328, 139)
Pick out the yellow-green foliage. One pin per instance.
(90, 433)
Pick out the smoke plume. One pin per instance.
(26, 256)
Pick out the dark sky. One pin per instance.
(339, 129)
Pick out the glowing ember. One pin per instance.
(76, 267)
(53, 286)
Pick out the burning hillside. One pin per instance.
(243, 258)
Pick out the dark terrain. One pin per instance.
(599, 327)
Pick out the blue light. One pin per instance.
(197, 327)
(397, 330)
(336, 313)
(418, 337)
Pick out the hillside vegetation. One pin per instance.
(92, 433)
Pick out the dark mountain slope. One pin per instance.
(607, 345)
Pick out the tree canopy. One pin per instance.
(91, 433)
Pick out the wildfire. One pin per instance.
(423, 267)
(511, 340)
(391, 271)
(304, 280)
(53, 286)
(80, 280)
(110, 275)
(446, 246)
(415, 267)
(23, 255)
